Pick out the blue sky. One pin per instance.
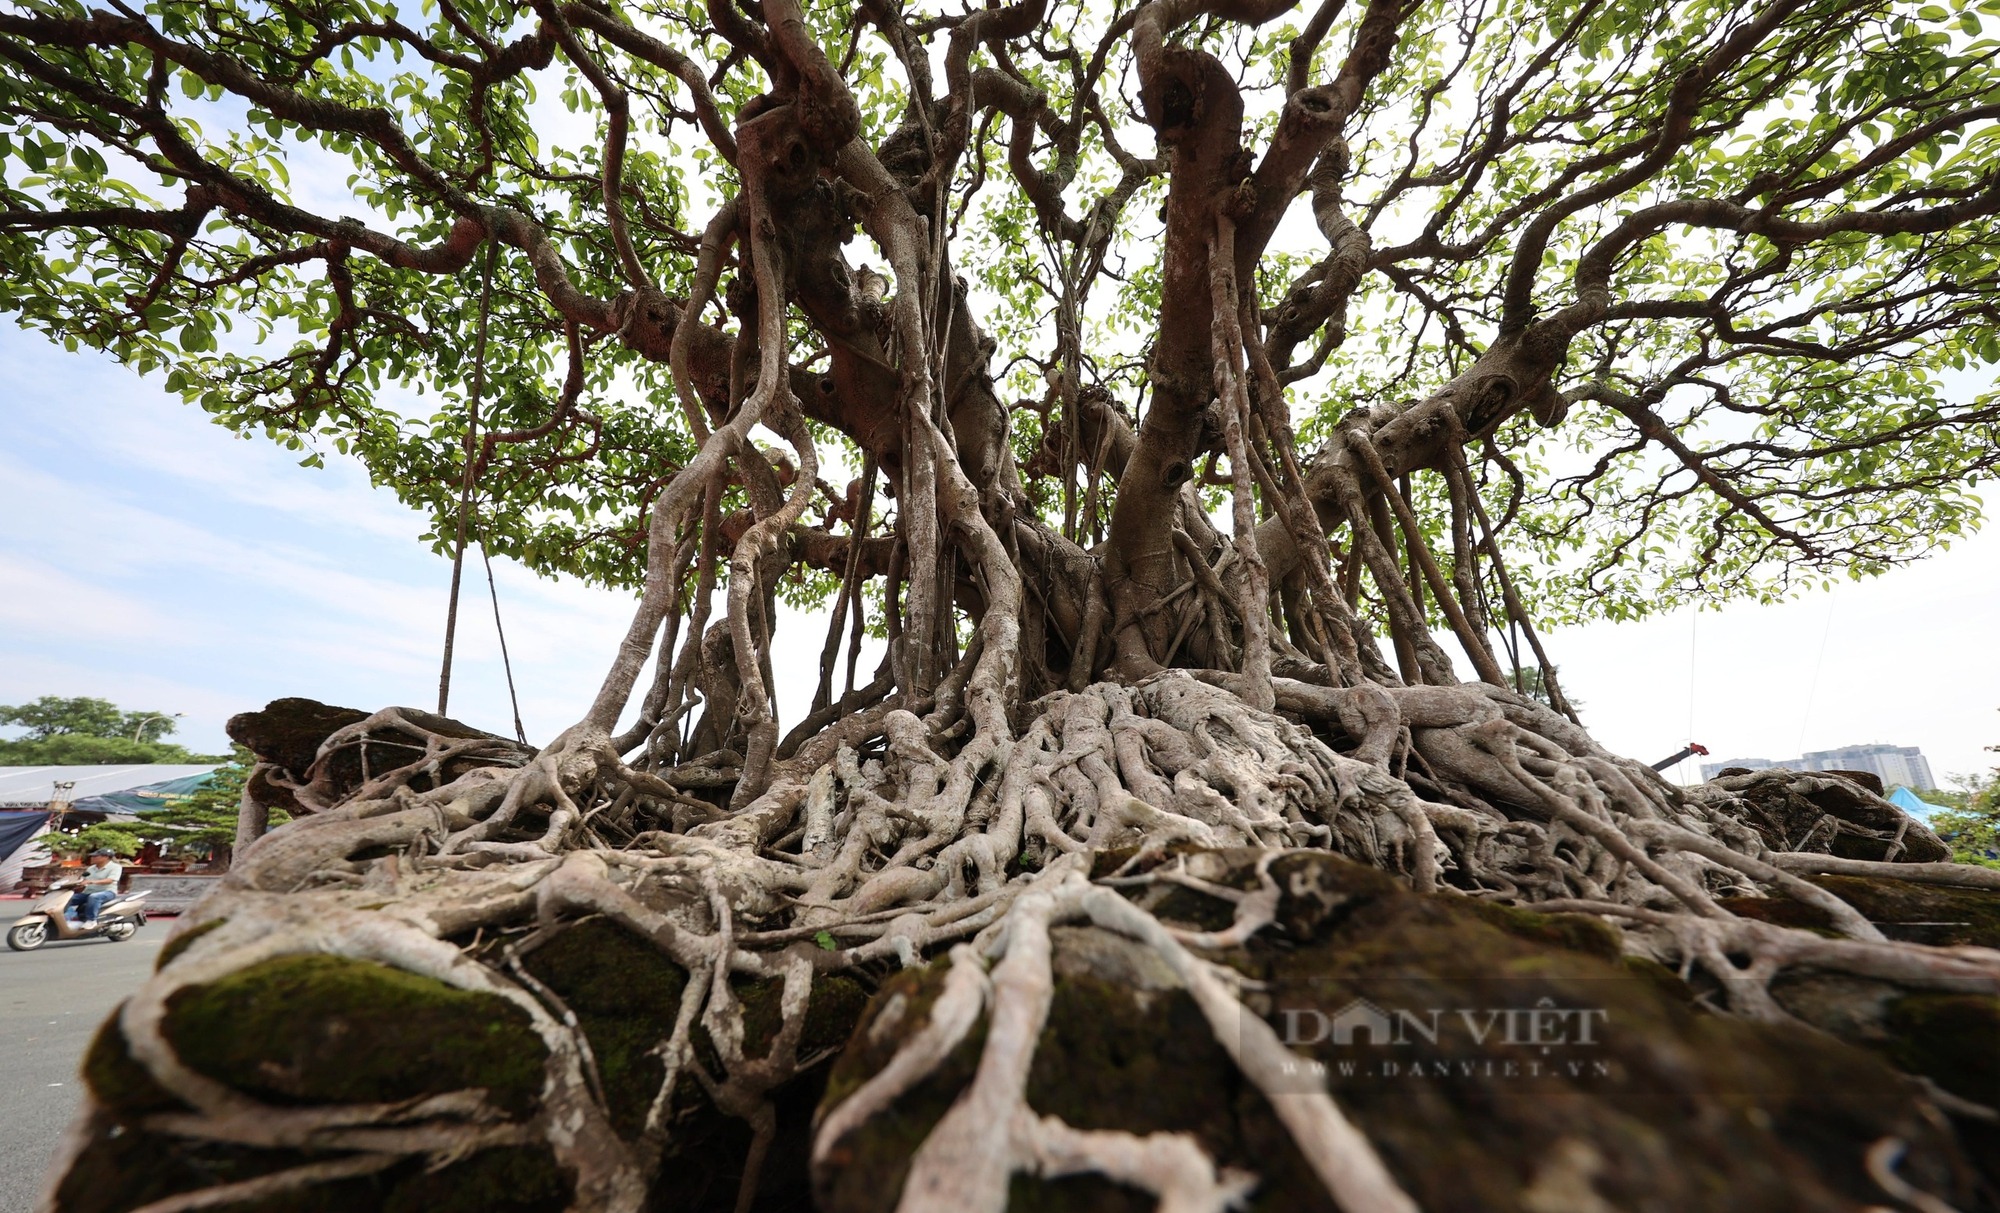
(150, 558)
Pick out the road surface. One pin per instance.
(51, 1001)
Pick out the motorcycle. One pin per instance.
(118, 921)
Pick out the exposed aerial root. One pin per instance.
(1959, 875)
(267, 1186)
(958, 1166)
(1337, 1151)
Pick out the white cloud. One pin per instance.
(47, 603)
(1907, 658)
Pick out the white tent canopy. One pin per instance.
(34, 787)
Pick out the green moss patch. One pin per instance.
(313, 1029)
(1952, 1039)
(625, 995)
(1575, 932)
(492, 1181)
(836, 1006)
(119, 1083)
(182, 942)
(123, 1169)
(126, 1168)
(866, 1169)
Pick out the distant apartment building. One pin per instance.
(1892, 764)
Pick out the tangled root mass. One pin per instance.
(894, 840)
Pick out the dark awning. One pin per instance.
(17, 827)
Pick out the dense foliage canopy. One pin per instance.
(1756, 239)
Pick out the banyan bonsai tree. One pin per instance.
(1205, 401)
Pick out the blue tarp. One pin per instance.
(1908, 801)
(17, 828)
(151, 798)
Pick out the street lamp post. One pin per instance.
(141, 726)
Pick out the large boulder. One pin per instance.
(320, 1030)
(1831, 812)
(1499, 1059)
(314, 1030)
(287, 736)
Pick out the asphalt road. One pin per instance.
(51, 1001)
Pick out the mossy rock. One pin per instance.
(866, 1169)
(1576, 932)
(1939, 915)
(831, 1013)
(492, 1181)
(499, 1180)
(1663, 1106)
(624, 994)
(707, 1150)
(1177, 904)
(320, 1029)
(182, 942)
(325, 1029)
(1121, 1053)
(123, 1087)
(1951, 1039)
(1669, 1107)
(123, 1168)
(126, 1168)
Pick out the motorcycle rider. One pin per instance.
(100, 885)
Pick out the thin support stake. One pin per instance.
(465, 485)
(1694, 672)
(506, 663)
(1819, 663)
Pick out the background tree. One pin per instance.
(1202, 375)
(1972, 832)
(83, 731)
(1971, 826)
(52, 715)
